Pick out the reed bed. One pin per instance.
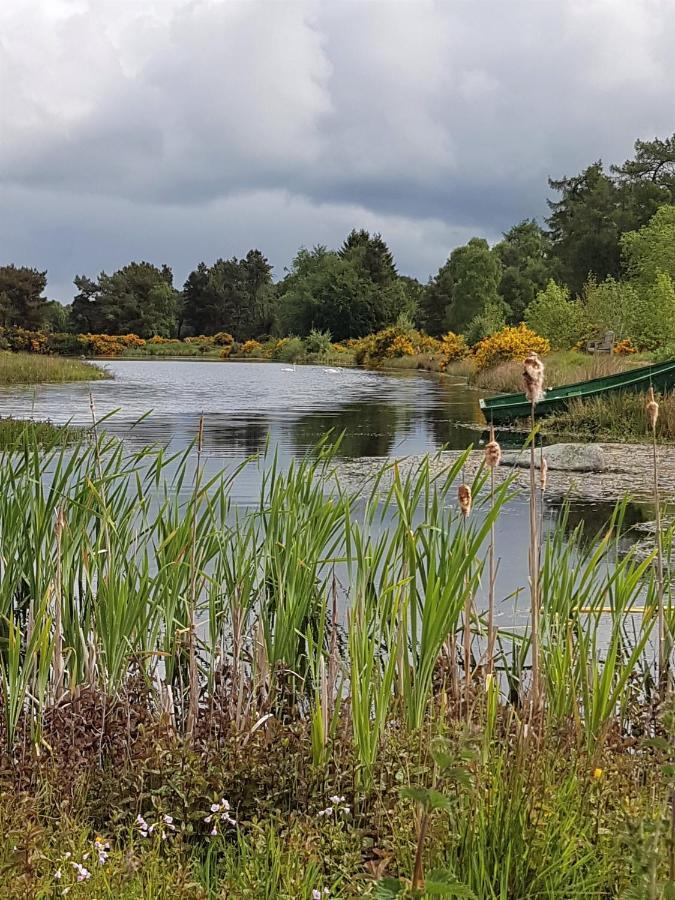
(33, 368)
(298, 698)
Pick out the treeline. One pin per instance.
(606, 258)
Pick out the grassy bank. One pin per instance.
(33, 368)
(613, 417)
(562, 367)
(186, 709)
(18, 433)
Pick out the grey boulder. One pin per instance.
(565, 457)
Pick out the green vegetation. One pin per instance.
(186, 708)
(613, 417)
(30, 368)
(17, 433)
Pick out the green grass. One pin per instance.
(157, 657)
(17, 433)
(33, 368)
(614, 416)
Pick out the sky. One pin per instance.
(184, 130)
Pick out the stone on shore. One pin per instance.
(564, 457)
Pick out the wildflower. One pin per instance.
(337, 805)
(533, 378)
(652, 409)
(101, 847)
(220, 813)
(317, 894)
(597, 774)
(464, 496)
(83, 874)
(145, 829)
(58, 874)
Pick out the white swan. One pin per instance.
(289, 368)
(332, 371)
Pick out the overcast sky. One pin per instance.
(181, 130)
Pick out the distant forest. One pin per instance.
(612, 231)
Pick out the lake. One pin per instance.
(246, 405)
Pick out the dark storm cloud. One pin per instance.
(186, 129)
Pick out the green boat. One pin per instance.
(507, 407)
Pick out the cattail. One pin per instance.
(464, 496)
(652, 409)
(493, 452)
(543, 474)
(533, 378)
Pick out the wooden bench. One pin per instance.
(606, 345)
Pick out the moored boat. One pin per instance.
(508, 407)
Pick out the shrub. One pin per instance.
(223, 339)
(66, 344)
(509, 343)
(158, 339)
(486, 323)
(318, 342)
(451, 347)
(102, 344)
(248, 348)
(289, 349)
(624, 348)
(558, 318)
(131, 340)
(226, 352)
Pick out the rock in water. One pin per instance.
(564, 457)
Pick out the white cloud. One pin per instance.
(265, 119)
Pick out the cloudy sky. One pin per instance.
(181, 130)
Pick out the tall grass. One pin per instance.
(563, 367)
(129, 583)
(32, 368)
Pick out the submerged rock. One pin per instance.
(564, 457)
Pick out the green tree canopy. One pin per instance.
(525, 256)
(138, 298)
(370, 256)
(233, 295)
(463, 289)
(651, 249)
(654, 162)
(22, 302)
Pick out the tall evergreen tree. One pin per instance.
(22, 301)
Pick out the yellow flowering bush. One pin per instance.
(103, 344)
(512, 342)
(248, 348)
(450, 347)
(624, 347)
(223, 339)
(131, 340)
(158, 339)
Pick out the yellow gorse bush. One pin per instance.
(512, 342)
(249, 347)
(451, 347)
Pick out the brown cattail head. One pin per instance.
(533, 378)
(652, 409)
(464, 496)
(493, 452)
(543, 473)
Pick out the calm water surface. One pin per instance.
(246, 405)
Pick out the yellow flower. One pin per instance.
(597, 774)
